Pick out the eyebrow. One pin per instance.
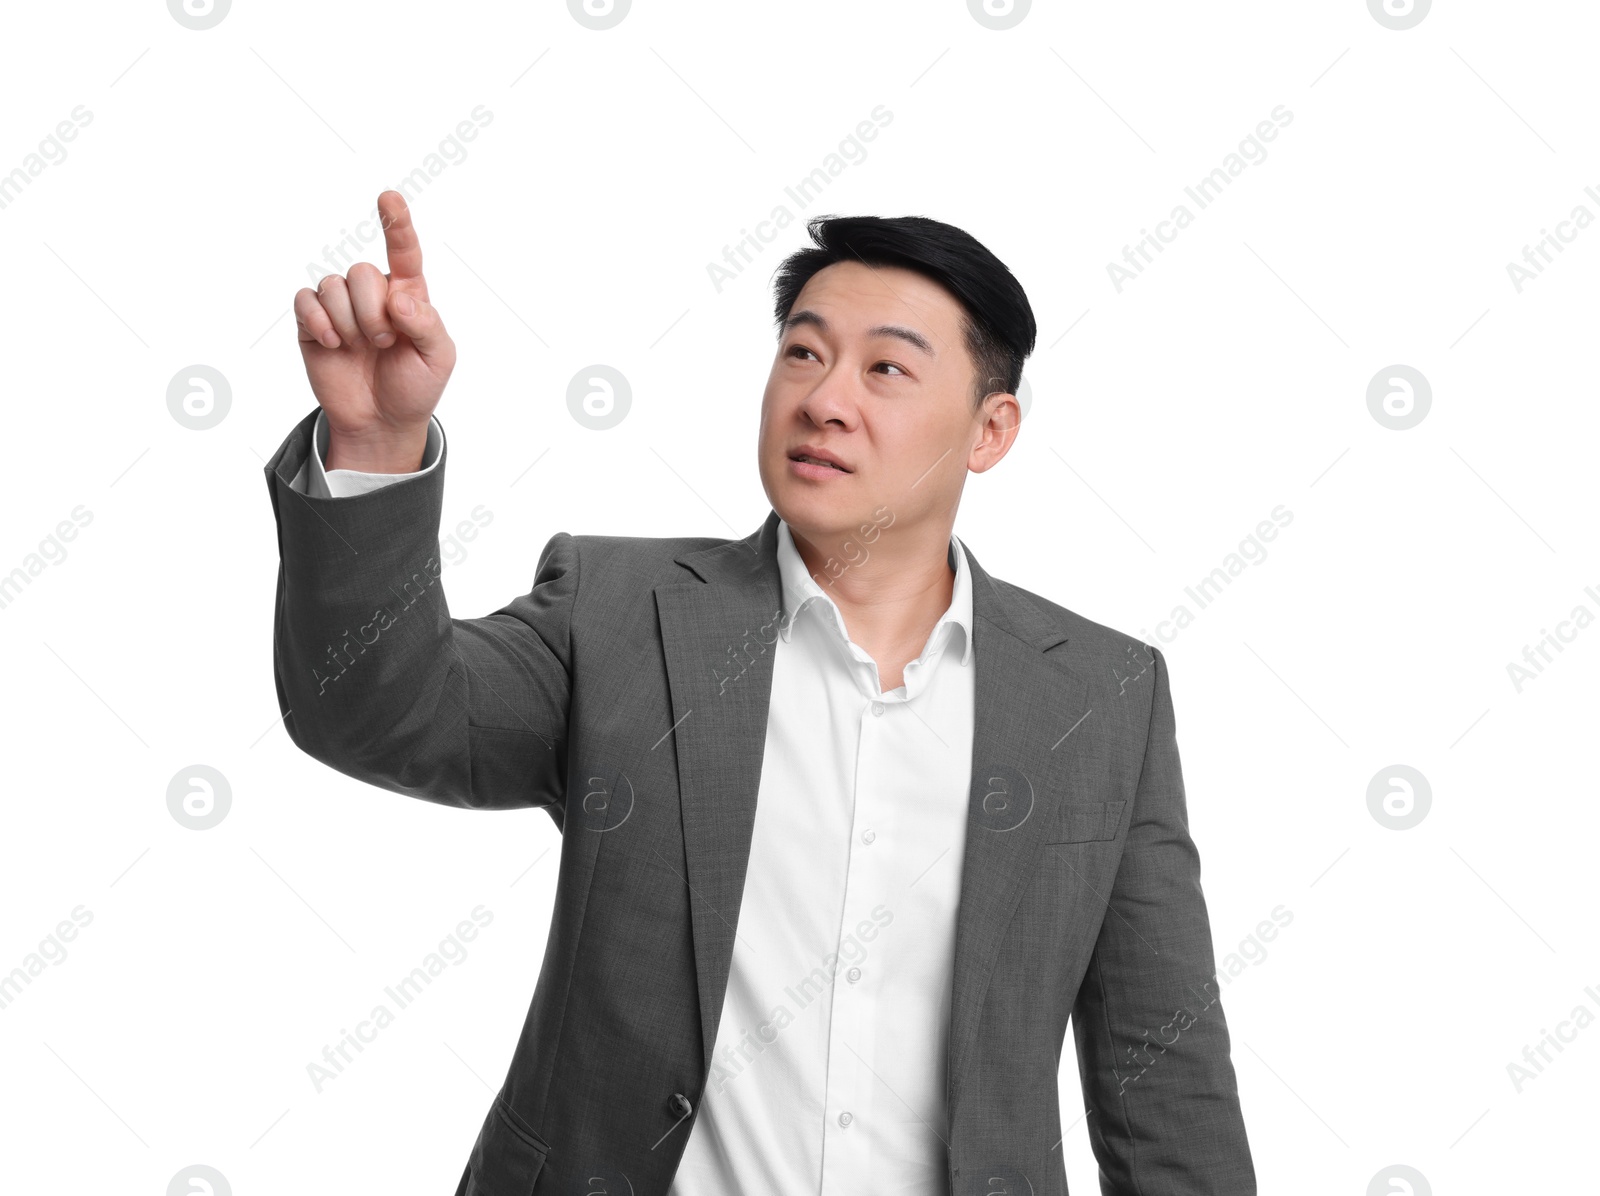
(913, 338)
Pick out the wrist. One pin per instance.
(384, 450)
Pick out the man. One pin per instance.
(850, 827)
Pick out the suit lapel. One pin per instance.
(717, 635)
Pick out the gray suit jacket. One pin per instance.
(626, 694)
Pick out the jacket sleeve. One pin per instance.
(374, 677)
(1153, 1048)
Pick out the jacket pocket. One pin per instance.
(1086, 821)
(507, 1157)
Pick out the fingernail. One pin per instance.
(383, 340)
(330, 338)
(405, 305)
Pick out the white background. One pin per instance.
(1167, 420)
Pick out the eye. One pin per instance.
(794, 349)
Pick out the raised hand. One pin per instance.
(376, 352)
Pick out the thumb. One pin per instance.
(419, 320)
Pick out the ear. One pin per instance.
(999, 424)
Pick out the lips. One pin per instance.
(815, 455)
(816, 461)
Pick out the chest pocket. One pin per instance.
(1087, 821)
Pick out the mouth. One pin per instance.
(813, 465)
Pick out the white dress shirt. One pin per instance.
(829, 1070)
(828, 1074)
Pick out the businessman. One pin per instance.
(851, 828)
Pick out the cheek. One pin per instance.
(909, 440)
(772, 405)
(764, 417)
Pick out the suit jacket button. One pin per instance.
(680, 1104)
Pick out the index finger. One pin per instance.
(399, 237)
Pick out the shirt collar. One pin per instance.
(800, 590)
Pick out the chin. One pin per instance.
(799, 506)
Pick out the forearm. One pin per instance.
(376, 678)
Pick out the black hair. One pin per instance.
(998, 324)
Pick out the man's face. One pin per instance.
(873, 368)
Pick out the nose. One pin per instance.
(831, 401)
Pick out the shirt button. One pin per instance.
(853, 975)
(877, 708)
(868, 836)
(845, 1118)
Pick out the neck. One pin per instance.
(890, 592)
